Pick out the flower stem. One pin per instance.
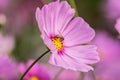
(82, 75)
(73, 4)
(21, 78)
(92, 75)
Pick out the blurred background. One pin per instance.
(20, 39)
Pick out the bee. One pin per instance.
(59, 37)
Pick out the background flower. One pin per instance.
(108, 49)
(8, 68)
(37, 72)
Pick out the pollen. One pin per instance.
(34, 78)
(57, 41)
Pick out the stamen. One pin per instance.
(57, 41)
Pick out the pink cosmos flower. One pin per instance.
(117, 25)
(111, 72)
(8, 69)
(37, 72)
(108, 72)
(67, 38)
(108, 47)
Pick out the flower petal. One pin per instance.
(85, 54)
(54, 17)
(48, 42)
(78, 32)
(56, 59)
(68, 63)
(64, 15)
(76, 65)
(76, 58)
(39, 18)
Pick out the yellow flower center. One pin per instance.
(57, 41)
(34, 78)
